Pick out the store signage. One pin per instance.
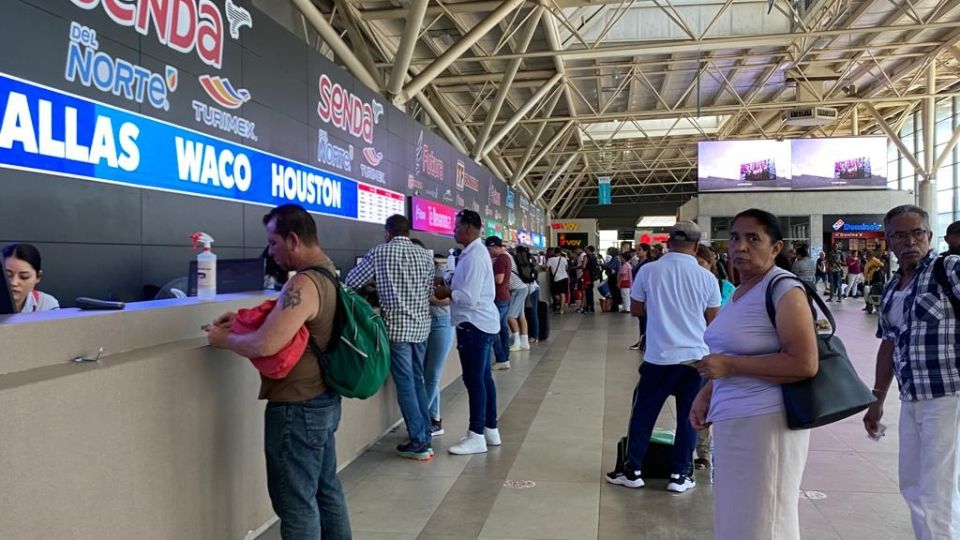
(432, 217)
(49, 131)
(427, 162)
(572, 240)
(841, 225)
(510, 196)
(182, 25)
(560, 226)
(467, 180)
(331, 155)
(89, 66)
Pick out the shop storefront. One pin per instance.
(854, 232)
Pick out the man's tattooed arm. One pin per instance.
(290, 299)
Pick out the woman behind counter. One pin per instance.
(22, 264)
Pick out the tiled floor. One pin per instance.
(564, 405)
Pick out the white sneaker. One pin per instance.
(472, 443)
(516, 346)
(492, 436)
(524, 343)
(500, 366)
(680, 483)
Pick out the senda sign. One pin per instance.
(432, 217)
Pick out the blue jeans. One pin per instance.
(438, 347)
(533, 321)
(836, 285)
(501, 347)
(301, 460)
(656, 384)
(473, 345)
(406, 366)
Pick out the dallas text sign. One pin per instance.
(53, 132)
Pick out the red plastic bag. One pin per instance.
(279, 365)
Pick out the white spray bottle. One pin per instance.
(206, 267)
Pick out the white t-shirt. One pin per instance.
(39, 301)
(515, 282)
(557, 267)
(743, 328)
(895, 317)
(676, 292)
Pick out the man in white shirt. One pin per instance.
(557, 267)
(679, 298)
(477, 322)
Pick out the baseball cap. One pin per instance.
(493, 241)
(685, 230)
(953, 228)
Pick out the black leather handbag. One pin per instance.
(836, 391)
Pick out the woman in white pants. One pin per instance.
(759, 461)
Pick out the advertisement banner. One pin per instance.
(743, 165)
(48, 131)
(432, 217)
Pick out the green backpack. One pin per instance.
(356, 362)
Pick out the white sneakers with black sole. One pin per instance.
(625, 478)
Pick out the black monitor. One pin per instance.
(7, 307)
(233, 276)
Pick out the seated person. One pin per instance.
(22, 262)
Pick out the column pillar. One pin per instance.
(927, 190)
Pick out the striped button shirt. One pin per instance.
(927, 342)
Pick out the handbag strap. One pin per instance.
(812, 298)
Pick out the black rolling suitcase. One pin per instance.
(543, 317)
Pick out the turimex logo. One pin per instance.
(223, 93)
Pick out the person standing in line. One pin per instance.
(643, 258)
(760, 460)
(680, 298)
(920, 344)
(301, 463)
(805, 268)
(871, 278)
(835, 266)
(821, 274)
(533, 295)
(477, 322)
(501, 279)
(404, 274)
(613, 271)
(519, 339)
(625, 281)
(952, 238)
(557, 266)
(854, 273)
(592, 274)
(439, 343)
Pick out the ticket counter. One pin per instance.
(162, 438)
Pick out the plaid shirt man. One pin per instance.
(926, 356)
(403, 273)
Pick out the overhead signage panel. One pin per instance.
(53, 132)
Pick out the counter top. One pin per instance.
(54, 337)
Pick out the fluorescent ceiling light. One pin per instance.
(657, 221)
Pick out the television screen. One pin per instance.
(840, 162)
(743, 165)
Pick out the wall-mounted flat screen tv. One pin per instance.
(743, 166)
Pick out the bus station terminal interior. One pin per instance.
(590, 143)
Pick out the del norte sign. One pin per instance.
(49, 131)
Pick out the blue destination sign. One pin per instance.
(50, 131)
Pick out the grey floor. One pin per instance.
(563, 407)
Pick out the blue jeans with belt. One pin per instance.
(501, 347)
(301, 458)
(473, 345)
(438, 347)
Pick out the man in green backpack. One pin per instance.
(301, 464)
(404, 273)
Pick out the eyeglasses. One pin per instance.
(917, 234)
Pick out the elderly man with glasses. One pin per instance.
(920, 334)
